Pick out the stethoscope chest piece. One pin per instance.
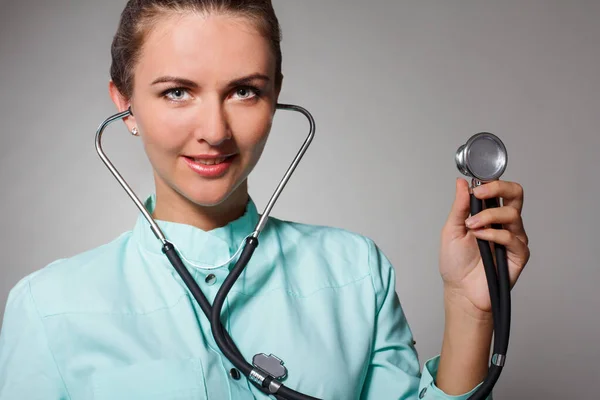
(483, 157)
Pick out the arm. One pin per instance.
(465, 348)
(394, 371)
(469, 320)
(27, 367)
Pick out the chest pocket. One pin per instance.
(180, 379)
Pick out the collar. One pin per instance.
(206, 248)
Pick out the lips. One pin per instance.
(210, 166)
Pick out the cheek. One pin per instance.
(251, 134)
(165, 131)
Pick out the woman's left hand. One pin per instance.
(461, 266)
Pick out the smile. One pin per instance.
(210, 167)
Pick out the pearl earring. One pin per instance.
(135, 132)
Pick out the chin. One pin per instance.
(208, 199)
(210, 194)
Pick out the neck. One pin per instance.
(174, 207)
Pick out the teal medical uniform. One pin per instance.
(117, 322)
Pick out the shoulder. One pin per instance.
(65, 284)
(340, 241)
(346, 255)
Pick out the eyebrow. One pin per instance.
(174, 79)
(188, 83)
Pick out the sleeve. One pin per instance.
(27, 367)
(393, 372)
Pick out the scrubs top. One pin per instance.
(117, 322)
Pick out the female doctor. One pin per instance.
(202, 78)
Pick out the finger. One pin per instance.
(461, 208)
(511, 192)
(517, 253)
(509, 217)
(513, 244)
(500, 215)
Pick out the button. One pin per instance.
(235, 374)
(211, 279)
(422, 394)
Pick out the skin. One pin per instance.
(211, 115)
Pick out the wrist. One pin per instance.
(466, 329)
(457, 306)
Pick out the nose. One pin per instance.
(213, 127)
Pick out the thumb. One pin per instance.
(461, 208)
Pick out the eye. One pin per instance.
(246, 92)
(177, 94)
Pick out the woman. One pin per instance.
(202, 78)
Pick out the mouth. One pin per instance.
(210, 161)
(210, 166)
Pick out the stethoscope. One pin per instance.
(484, 158)
(267, 371)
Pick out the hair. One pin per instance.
(140, 16)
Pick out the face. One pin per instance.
(203, 100)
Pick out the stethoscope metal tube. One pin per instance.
(484, 158)
(291, 169)
(157, 232)
(258, 376)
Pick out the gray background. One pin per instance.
(395, 88)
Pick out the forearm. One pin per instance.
(466, 347)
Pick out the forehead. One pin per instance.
(204, 47)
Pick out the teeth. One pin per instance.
(213, 161)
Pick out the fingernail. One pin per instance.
(471, 222)
(479, 190)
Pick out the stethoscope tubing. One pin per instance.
(499, 288)
(258, 378)
(497, 279)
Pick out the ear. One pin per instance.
(122, 104)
